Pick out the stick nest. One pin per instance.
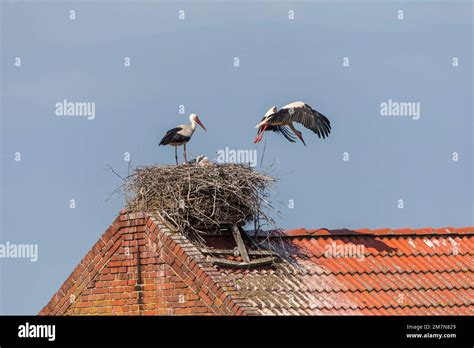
(195, 199)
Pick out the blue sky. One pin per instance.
(190, 62)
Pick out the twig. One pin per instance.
(190, 196)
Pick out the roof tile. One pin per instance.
(320, 272)
(405, 272)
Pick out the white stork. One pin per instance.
(282, 121)
(181, 135)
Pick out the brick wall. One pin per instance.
(139, 267)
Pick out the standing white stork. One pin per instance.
(282, 121)
(181, 135)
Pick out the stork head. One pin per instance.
(271, 111)
(195, 119)
(263, 125)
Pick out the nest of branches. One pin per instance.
(196, 199)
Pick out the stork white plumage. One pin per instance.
(181, 135)
(281, 121)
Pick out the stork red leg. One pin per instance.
(185, 159)
(263, 131)
(176, 154)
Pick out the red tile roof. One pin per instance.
(397, 272)
(320, 272)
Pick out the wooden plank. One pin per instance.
(240, 244)
(262, 261)
(238, 264)
(232, 252)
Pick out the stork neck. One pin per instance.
(193, 124)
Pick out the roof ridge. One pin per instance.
(405, 306)
(329, 272)
(386, 253)
(385, 232)
(435, 288)
(200, 273)
(346, 307)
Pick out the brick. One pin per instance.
(114, 264)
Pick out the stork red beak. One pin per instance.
(200, 123)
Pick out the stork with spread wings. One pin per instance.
(281, 121)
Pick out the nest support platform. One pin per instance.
(249, 257)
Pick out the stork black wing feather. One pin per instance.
(306, 116)
(286, 133)
(170, 136)
(283, 130)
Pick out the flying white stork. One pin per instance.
(181, 135)
(282, 121)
